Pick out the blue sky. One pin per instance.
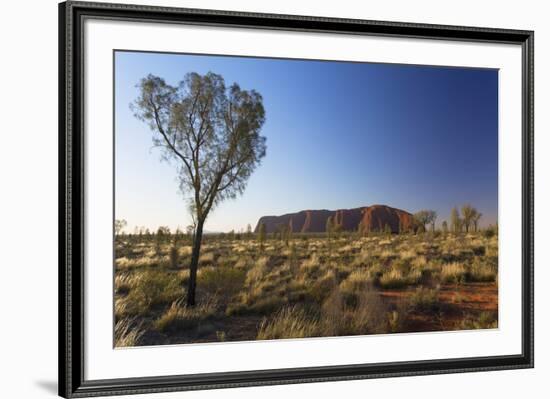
(339, 135)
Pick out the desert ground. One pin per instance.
(303, 285)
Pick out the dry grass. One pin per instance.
(180, 317)
(453, 273)
(310, 287)
(289, 322)
(127, 333)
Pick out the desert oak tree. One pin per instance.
(211, 134)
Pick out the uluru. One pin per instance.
(367, 218)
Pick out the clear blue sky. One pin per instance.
(339, 135)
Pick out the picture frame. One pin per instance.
(72, 206)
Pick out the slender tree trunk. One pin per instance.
(192, 284)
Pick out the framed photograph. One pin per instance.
(253, 199)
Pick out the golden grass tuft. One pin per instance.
(181, 317)
(128, 332)
(453, 272)
(289, 322)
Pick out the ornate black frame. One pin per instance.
(71, 196)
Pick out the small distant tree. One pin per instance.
(475, 220)
(456, 223)
(432, 216)
(248, 231)
(163, 232)
(120, 224)
(261, 235)
(425, 217)
(444, 227)
(468, 215)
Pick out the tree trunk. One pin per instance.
(192, 284)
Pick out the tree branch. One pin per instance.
(163, 134)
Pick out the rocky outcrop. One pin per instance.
(366, 219)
